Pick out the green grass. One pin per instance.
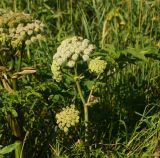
(126, 122)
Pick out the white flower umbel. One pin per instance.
(30, 32)
(71, 50)
(67, 118)
(19, 29)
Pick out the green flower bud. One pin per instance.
(1, 30)
(36, 29)
(22, 33)
(67, 118)
(15, 43)
(19, 29)
(85, 57)
(65, 129)
(33, 39)
(71, 63)
(55, 68)
(28, 42)
(30, 32)
(12, 35)
(68, 125)
(39, 37)
(97, 65)
(73, 123)
(75, 57)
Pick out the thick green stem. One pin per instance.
(80, 91)
(86, 118)
(18, 150)
(84, 103)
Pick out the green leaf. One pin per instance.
(56, 98)
(89, 84)
(141, 53)
(14, 113)
(9, 148)
(33, 93)
(137, 53)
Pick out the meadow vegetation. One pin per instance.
(79, 78)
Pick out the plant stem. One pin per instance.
(80, 92)
(14, 5)
(86, 118)
(14, 83)
(24, 141)
(19, 61)
(18, 150)
(92, 89)
(84, 102)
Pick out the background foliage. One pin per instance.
(126, 121)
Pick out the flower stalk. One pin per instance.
(86, 116)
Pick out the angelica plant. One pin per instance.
(18, 32)
(74, 61)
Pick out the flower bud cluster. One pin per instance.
(3, 36)
(67, 118)
(12, 19)
(69, 52)
(18, 28)
(56, 70)
(97, 65)
(30, 33)
(2, 11)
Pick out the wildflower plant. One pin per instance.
(18, 32)
(74, 64)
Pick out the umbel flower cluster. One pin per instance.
(20, 28)
(97, 65)
(67, 118)
(69, 52)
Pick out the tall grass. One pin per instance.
(126, 124)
